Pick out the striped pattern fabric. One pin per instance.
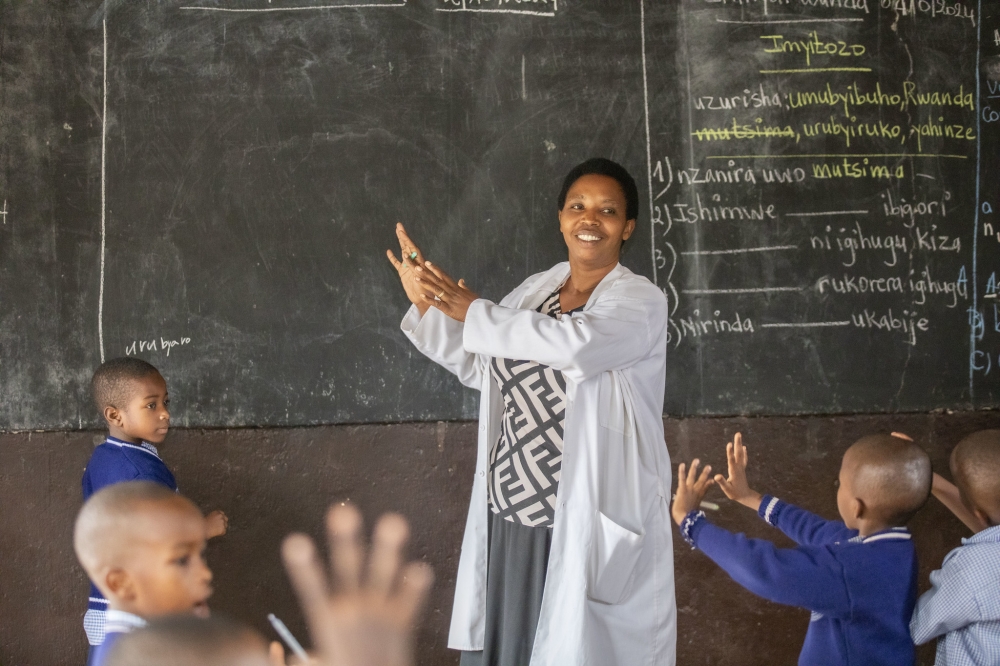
(526, 460)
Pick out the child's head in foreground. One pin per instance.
(975, 466)
(884, 480)
(131, 395)
(143, 546)
(191, 641)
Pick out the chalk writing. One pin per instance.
(160, 344)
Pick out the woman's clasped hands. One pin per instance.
(425, 284)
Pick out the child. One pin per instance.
(132, 397)
(963, 605)
(191, 641)
(143, 545)
(858, 577)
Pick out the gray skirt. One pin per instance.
(515, 579)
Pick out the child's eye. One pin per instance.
(151, 405)
(609, 211)
(183, 560)
(166, 403)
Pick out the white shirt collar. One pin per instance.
(122, 622)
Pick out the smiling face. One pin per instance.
(166, 573)
(145, 417)
(593, 221)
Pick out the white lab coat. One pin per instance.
(609, 588)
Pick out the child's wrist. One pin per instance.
(752, 500)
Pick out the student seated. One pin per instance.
(131, 396)
(858, 577)
(962, 608)
(143, 545)
(185, 640)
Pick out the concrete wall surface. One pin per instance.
(273, 481)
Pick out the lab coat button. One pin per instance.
(482, 473)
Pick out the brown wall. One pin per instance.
(271, 482)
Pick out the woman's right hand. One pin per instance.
(411, 258)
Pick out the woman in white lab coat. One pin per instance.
(567, 554)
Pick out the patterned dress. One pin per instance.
(525, 464)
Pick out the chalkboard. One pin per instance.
(211, 185)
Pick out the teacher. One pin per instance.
(567, 555)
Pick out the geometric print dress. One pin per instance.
(526, 460)
(525, 463)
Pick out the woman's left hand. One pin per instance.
(450, 297)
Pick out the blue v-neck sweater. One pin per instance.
(861, 591)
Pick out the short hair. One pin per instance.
(111, 383)
(975, 464)
(604, 167)
(106, 519)
(186, 640)
(893, 476)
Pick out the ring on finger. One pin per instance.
(439, 295)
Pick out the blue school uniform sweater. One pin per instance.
(112, 462)
(861, 591)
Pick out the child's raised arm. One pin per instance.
(947, 493)
(736, 486)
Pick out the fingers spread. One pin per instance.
(387, 551)
(692, 475)
(343, 528)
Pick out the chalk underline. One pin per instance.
(758, 290)
(811, 20)
(525, 12)
(811, 324)
(828, 212)
(774, 248)
(735, 157)
(810, 70)
(368, 5)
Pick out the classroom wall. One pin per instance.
(271, 482)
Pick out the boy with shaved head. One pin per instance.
(962, 608)
(143, 546)
(858, 576)
(132, 397)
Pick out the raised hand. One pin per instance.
(691, 489)
(367, 616)
(450, 297)
(410, 259)
(216, 524)
(736, 486)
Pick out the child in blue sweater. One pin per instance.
(858, 577)
(131, 396)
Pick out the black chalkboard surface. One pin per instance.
(211, 185)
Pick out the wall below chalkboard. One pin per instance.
(273, 481)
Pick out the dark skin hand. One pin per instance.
(593, 223)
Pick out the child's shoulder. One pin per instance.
(114, 462)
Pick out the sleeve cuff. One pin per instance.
(689, 526)
(770, 508)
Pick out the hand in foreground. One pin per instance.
(216, 524)
(691, 489)
(410, 259)
(736, 486)
(365, 619)
(450, 297)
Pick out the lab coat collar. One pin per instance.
(555, 277)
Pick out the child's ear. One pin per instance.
(120, 584)
(858, 508)
(113, 416)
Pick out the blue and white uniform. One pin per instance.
(118, 624)
(861, 590)
(962, 608)
(116, 461)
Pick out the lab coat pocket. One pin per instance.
(613, 555)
